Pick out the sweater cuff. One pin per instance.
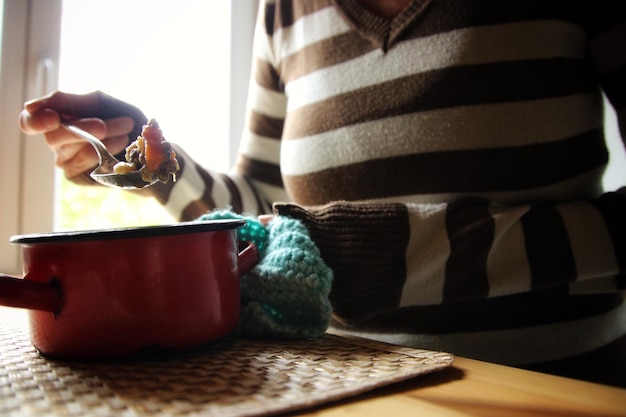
(365, 246)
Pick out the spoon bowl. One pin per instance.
(104, 172)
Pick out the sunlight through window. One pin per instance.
(168, 58)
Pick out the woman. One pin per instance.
(446, 157)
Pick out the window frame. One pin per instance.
(28, 69)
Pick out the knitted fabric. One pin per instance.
(286, 294)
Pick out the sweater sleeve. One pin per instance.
(392, 255)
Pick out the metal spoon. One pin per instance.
(104, 173)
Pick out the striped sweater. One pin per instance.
(447, 163)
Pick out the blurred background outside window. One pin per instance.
(167, 57)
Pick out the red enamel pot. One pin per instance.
(107, 294)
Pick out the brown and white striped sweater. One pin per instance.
(448, 164)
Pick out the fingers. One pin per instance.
(265, 219)
(70, 149)
(43, 114)
(39, 122)
(76, 158)
(117, 129)
(61, 137)
(66, 104)
(72, 154)
(119, 126)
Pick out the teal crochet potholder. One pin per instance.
(286, 294)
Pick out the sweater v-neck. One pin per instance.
(382, 32)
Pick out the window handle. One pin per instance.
(45, 76)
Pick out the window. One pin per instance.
(615, 176)
(26, 179)
(203, 50)
(162, 57)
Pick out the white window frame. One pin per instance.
(28, 68)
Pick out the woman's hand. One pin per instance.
(72, 154)
(265, 219)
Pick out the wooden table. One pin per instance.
(467, 388)
(475, 388)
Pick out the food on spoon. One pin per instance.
(151, 155)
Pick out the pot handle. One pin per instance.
(34, 295)
(248, 257)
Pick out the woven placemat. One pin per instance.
(232, 377)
